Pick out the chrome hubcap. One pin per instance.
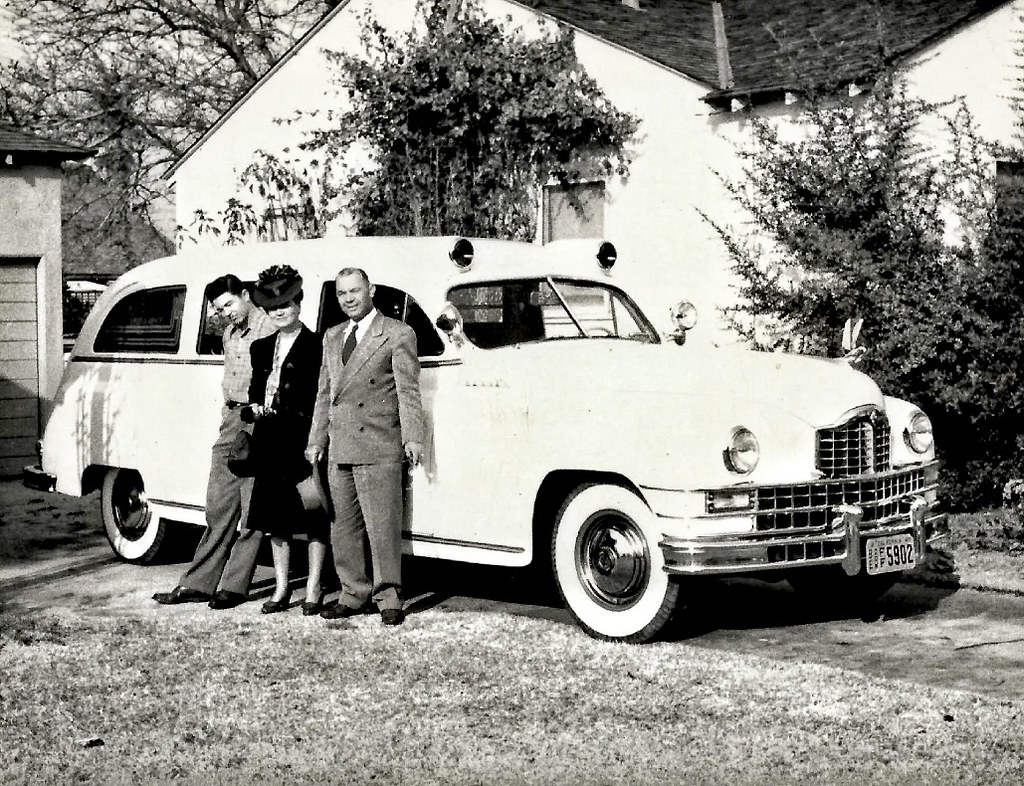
(130, 507)
(612, 559)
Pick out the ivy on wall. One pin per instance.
(460, 122)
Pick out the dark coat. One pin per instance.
(279, 440)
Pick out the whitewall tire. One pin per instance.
(135, 532)
(608, 566)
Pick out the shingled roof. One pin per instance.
(38, 148)
(773, 45)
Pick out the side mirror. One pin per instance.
(449, 322)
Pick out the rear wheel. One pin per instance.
(134, 532)
(609, 568)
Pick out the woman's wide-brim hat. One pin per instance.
(277, 289)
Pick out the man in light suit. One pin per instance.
(369, 417)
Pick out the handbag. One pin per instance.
(240, 460)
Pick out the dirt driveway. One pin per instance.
(53, 559)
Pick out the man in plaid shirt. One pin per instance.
(225, 559)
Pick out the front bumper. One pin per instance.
(824, 523)
(34, 477)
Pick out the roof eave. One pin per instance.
(45, 157)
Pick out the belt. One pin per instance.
(235, 404)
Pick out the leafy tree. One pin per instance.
(465, 122)
(462, 122)
(855, 219)
(140, 81)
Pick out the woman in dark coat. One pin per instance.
(285, 372)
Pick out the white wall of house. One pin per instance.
(670, 251)
(979, 63)
(651, 218)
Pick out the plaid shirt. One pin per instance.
(237, 364)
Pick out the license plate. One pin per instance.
(885, 555)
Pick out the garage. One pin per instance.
(19, 364)
(31, 273)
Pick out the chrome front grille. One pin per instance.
(811, 505)
(858, 447)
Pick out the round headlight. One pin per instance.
(684, 315)
(743, 452)
(918, 435)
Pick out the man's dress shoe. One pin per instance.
(181, 595)
(392, 616)
(338, 611)
(222, 599)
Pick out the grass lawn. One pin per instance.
(466, 698)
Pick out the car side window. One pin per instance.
(212, 326)
(500, 314)
(143, 322)
(504, 313)
(390, 302)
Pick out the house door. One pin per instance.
(19, 364)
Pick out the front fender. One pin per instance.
(667, 440)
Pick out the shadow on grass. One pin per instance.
(736, 604)
(32, 527)
(179, 544)
(706, 604)
(444, 579)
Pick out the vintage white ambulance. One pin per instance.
(563, 425)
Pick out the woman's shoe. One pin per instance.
(309, 608)
(274, 606)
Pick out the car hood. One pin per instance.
(814, 390)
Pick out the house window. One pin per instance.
(146, 321)
(1010, 189)
(573, 211)
(290, 222)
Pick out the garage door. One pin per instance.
(19, 365)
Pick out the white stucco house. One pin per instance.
(691, 70)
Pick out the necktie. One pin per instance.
(350, 344)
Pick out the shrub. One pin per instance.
(853, 220)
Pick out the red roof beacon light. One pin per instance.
(461, 253)
(606, 255)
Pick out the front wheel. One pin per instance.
(609, 568)
(134, 532)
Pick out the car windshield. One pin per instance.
(502, 313)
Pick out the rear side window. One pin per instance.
(146, 321)
(392, 303)
(212, 326)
